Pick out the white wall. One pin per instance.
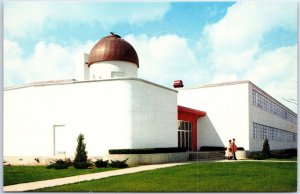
(105, 111)
(154, 114)
(227, 113)
(104, 69)
(258, 115)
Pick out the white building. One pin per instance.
(116, 110)
(243, 111)
(112, 108)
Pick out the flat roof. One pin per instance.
(74, 81)
(218, 84)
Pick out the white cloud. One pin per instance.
(49, 61)
(12, 58)
(233, 47)
(276, 72)
(12, 54)
(224, 77)
(235, 40)
(271, 65)
(162, 59)
(230, 48)
(30, 18)
(166, 58)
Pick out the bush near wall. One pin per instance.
(113, 163)
(147, 150)
(215, 148)
(101, 163)
(118, 163)
(59, 164)
(287, 153)
(278, 154)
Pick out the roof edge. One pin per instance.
(74, 81)
(218, 84)
(199, 113)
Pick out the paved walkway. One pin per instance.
(86, 177)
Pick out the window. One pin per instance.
(116, 74)
(60, 132)
(260, 132)
(268, 105)
(185, 135)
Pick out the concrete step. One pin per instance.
(213, 155)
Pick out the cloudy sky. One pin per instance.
(197, 42)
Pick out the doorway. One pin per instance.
(59, 140)
(185, 135)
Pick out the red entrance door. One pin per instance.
(190, 115)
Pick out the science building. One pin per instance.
(115, 109)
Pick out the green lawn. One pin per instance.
(24, 174)
(240, 176)
(284, 159)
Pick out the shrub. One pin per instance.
(282, 156)
(118, 164)
(147, 150)
(68, 161)
(216, 148)
(291, 152)
(287, 153)
(211, 148)
(80, 161)
(83, 165)
(266, 149)
(58, 164)
(258, 156)
(101, 163)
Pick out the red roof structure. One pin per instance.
(113, 48)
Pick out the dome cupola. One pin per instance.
(112, 57)
(113, 48)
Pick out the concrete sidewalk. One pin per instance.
(87, 177)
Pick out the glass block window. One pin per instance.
(270, 106)
(260, 132)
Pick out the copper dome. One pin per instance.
(113, 48)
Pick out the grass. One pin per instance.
(238, 176)
(24, 174)
(284, 159)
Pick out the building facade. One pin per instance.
(46, 119)
(111, 106)
(116, 110)
(243, 111)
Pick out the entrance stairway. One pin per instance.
(207, 155)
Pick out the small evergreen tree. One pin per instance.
(266, 149)
(80, 161)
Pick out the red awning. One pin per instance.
(197, 113)
(191, 115)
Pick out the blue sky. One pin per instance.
(198, 42)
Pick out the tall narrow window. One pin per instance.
(185, 135)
